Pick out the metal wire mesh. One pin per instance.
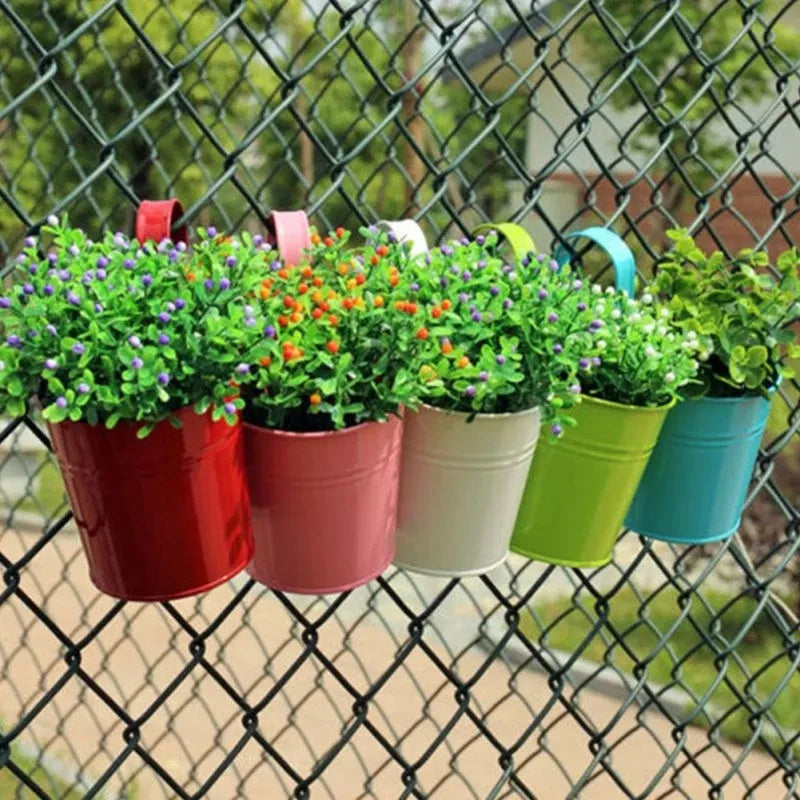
(670, 672)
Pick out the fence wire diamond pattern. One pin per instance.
(671, 672)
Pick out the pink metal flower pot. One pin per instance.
(324, 505)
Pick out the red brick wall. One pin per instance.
(746, 199)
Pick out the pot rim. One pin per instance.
(307, 435)
(481, 415)
(586, 398)
(187, 410)
(772, 389)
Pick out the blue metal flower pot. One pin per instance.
(695, 485)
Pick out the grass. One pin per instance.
(47, 496)
(11, 788)
(693, 656)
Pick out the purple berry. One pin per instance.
(466, 275)
(78, 349)
(102, 261)
(61, 401)
(501, 359)
(100, 274)
(162, 378)
(554, 265)
(540, 257)
(257, 240)
(480, 239)
(208, 283)
(134, 341)
(172, 255)
(443, 282)
(48, 289)
(30, 241)
(73, 299)
(52, 257)
(584, 363)
(543, 294)
(557, 430)
(447, 251)
(414, 287)
(270, 332)
(230, 408)
(275, 265)
(22, 258)
(180, 303)
(463, 297)
(137, 362)
(33, 269)
(147, 279)
(64, 274)
(128, 263)
(224, 284)
(28, 288)
(230, 261)
(51, 363)
(476, 316)
(494, 291)
(595, 325)
(180, 247)
(552, 317)
(163, 338)
(211, 230)
(5, 302)
(484, 375)
(508, 302)
(164, 317)
(243, 369)
(597, 361)
(558, 348)
(83, 388)
(581, 306)
(575, 388)
(74, 250)
(470, 391)
(98, 308)
(51, 329)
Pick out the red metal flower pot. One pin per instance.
(162, 517)
(324, 505)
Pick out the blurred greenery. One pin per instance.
(11, 788)
(688, 658)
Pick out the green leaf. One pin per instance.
(757, 355)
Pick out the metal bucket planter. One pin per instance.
(162, 517)
(460, 486)
(695, 485)
(581, 485)
(324, 505)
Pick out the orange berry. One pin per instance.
(374, 260)
(436, 312)
(190, 276)
(446, 305)
(264, 293)
(347, 303)
(297, 306)
(325, 305)
(400, 305)
(316, 296)
(360, 278)
(306, 272)
(381, 249)
(316, 313)
(333, 319)
(394, 280)
(378, 302)
(462, 362)
(283, 273)
(359, 302)
(296, 317)
(283, 321)
(315, 238)
(265, 361)
(333, 346)
(302, 288)
(288, 301)
(317, 281)
(411, 308)
(447, 347)
(340, 231)
(343, 269)
(331, 293)
(327, 241)
(422, 333)
(315, 399)
(351, 283)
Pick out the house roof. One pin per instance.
(502, 39)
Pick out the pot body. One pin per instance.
(162, 517)
(324, 505)
(460, 486)
(695, 485)
(581, 485)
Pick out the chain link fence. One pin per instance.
(670, 673)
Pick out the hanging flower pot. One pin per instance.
(324, 505)
(162, 517)
(461, 485)
(696, 484)
(324, 391)
(581, 485)
(466, 454)
(131, 349)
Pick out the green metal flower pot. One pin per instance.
(581, 485)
